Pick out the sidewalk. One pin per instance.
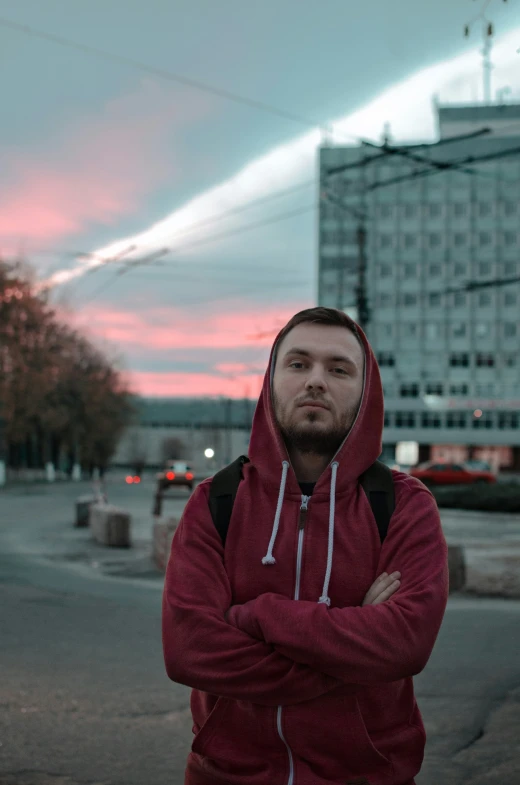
(39, 521)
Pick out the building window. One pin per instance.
(386, 240)
(458, 329)
(386, 359)
(434, 388)
(509, 208)
(459, 269)
(459, 360)
(509, 360)
(484, 298)
(434, 240)
(486, 390)
(507, 420)
(410, 240)
(484, 209)
(410, 390)
(430, 420)
(459, 298)
(459, 389)
(482, 329)
(510, 268)
(434, 298)
(409, 329)
(409, 298)
(486, 421)
(385, 270)
(485, 360)
(456, 420)
(404, 420)
(410, 270)
(484, 238)
(432, 330)
(410, 210)
(435, 270)
(509, 329)
(386, 210)
(387, 420)
(484, 268)
(460, 209)
(510, 239)
(435, 210)
(384, 300)
(509, 298)
(459, 239)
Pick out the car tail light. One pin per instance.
(137, 479)
(129, 480)
(170, 475)
(189, 476)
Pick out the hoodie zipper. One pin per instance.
(304, 506)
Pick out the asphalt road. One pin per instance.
(83, 693)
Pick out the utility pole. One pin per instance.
(363, 311)
(487, 36)
(3, 451)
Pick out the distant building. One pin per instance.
(450, 363)
(187, 427)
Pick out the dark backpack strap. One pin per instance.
(222, 492)
(378, 484)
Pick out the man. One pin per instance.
(300, 658)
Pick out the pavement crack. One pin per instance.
(478, 735)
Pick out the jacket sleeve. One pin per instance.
(205, 651)
(372, 643)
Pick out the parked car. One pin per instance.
(177, 473)
(432, 473)
(479, 465)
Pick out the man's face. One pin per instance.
(317, 386)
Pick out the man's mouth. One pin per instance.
(314, 404)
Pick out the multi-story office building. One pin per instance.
(450, 363)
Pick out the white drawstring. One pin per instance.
(269, 558)
(324, 597)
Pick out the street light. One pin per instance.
(209, 453)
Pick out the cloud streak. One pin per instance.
(452, 80)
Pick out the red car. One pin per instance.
(432, 473)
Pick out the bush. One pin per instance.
(499, 497)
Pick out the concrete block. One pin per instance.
(110, 525)
(83, 504)
(457, 567)
(163, 531)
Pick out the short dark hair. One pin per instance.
(321, 315)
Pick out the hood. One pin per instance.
(361, 447)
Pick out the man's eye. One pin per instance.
(340, 370)
(296, 363)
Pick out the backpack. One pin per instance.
(377, 483)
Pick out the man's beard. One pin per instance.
(315, 441)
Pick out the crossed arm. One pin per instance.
(277, 651)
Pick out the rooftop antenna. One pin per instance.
(487, 37)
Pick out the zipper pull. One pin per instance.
(303, 511)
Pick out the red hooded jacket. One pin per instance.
(301, 684)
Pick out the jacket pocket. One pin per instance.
(239, 739)
(330, 737)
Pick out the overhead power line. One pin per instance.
(162, 73)
(223, 235)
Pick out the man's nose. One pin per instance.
(316, 380)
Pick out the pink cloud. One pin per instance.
(194, 384)
(164, 328)
(100, 168)
(160, 332)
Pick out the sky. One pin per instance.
(103, 158)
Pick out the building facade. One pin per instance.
(450, 362)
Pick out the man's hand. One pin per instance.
(382, 588)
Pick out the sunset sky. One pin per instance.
(98, 156)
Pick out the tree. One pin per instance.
(56, 387)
